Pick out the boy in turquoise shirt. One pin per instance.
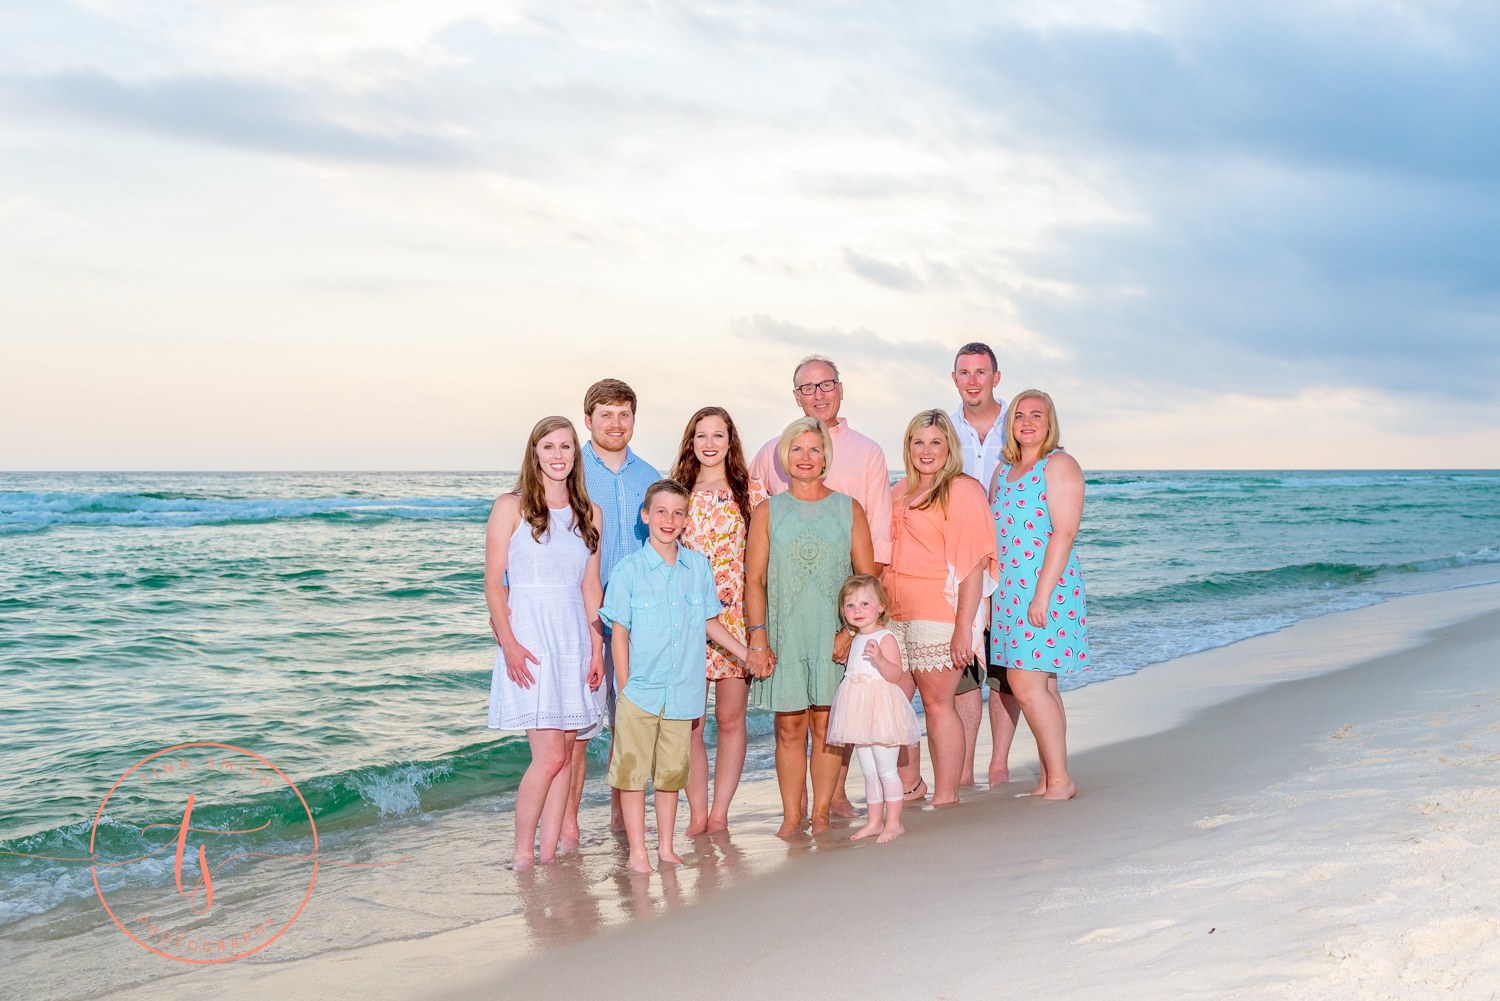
(662, 606)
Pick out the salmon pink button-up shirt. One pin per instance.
(926, 545)
(858, 469)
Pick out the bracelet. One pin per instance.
(757, 649)
(752, 629)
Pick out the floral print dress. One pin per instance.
(718, 529)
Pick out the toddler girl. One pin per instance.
(870, 711)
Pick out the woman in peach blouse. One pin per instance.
(942, 562)
(711, 464)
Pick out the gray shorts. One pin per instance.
(604, 697)
(977, 674)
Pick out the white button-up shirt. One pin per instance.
(981, 456)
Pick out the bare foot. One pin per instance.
(667, 856)
(639, 863)
(916, 792)
(1061, 790)
(821, 824)
(788, 828)
(567, 845)
(965, 779)
(520, 862)
(547, 858)
(869, 830)
(841, 807)
(716, 825)
(999, 777)
(946, 802)
(891, 833)
(1041, 787)
(695, 828)
(617, 823)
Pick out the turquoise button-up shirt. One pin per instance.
(666, 608)
(620, 497)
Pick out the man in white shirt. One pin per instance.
(980, 422)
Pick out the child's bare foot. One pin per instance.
(617, 823)
(696, 827)
(891, 833)
(638, 862)
(667, 856)
(716, 825)
(916, 792)
(871, 829)
(566, 845)
(521, 861)
(1060, 790)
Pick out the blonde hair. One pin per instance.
(803, 425)
(1011, 450)
(943, 479)
(856, 581)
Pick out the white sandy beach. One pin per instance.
(1307, 814)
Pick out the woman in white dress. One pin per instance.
(541, 581)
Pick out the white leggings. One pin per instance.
(878, 765)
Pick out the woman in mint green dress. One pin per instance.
(803, 544)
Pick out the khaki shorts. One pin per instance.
(648, 747)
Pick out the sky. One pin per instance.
(368, 234)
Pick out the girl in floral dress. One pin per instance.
(711, 464)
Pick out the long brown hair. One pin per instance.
(735, 471)
(943, 479)
(531, 487)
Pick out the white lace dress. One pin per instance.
(547, 617)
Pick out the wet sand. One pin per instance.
(1303, 815)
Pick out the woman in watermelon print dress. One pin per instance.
(1039, 629)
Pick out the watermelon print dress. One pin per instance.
(1023, 527)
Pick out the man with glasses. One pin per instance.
(858, 469)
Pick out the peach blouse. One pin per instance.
(928, 547)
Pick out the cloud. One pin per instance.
(860, 345)
(238, 112)
(896, 276)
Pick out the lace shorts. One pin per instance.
(925, 645)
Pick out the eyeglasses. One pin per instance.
(809, 388)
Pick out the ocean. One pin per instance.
(334, 623)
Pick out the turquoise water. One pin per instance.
(335, 624)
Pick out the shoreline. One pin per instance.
(574, 909)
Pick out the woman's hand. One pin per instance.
(962, 645)
(516, 657)
(761, 662)
(841, 644)
(596, 671)
(1036, 612)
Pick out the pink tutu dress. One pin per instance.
(867, 709)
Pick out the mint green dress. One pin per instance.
(810, 560)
